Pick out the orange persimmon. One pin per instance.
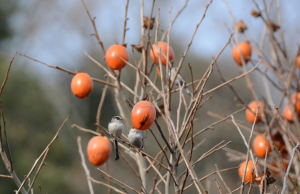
(143, 115)
(296, 101)
(245, 53)
(259, 146)
(248, 174)
(112, 56)
(98, 150)
(164, 51)
(298, 61)
(251, 110)
(82, 85)
(287, 114)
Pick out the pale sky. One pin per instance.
(58, 31)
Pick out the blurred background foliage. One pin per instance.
(36, 99)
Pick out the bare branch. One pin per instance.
(6, 76)
(87, 172)
(38, 159)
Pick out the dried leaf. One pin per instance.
(268, 173)
(271, 180)
(138, 48)
(148, 23)
(254, 13)
(263, 178)
(273, 26)
(241, 26)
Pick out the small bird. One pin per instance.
(135, 138)
(116, 127)
(179, 80)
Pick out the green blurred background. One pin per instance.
(37, 99)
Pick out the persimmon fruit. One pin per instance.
(82, 85)
(287, 114)
(112, 59)
(164, 51)
(251, 110)
(296, 101)
(259, 146)
(246, 52)
(98, 150)
(248, 174)
(298, 61)
(143, 115)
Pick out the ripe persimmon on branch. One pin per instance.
(165, 113)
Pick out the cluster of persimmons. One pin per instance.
(99, 148)
(143, 113)
(261, 145)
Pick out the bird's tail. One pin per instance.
(116, 150)
(187, 91)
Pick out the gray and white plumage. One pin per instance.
(135, 138)
(179, 80)
(116, 127)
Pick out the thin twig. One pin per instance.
(288, 169)
(160, 146)
(6, 76)
(217, 186)
(210, 174)
(8, 167)
(248, 151)
(125, 22)
(215, 123)
(6, 140)
(40, 167)
(67, 71)
(117, 180)
(128, 163)
(107, 185)
(190, 43)
(85, 168)
(222, 179)
(37, 160)
(163, 136)
(229, 81)
(247, 145)
(103, 95)
(94, 26)
(5, 176)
